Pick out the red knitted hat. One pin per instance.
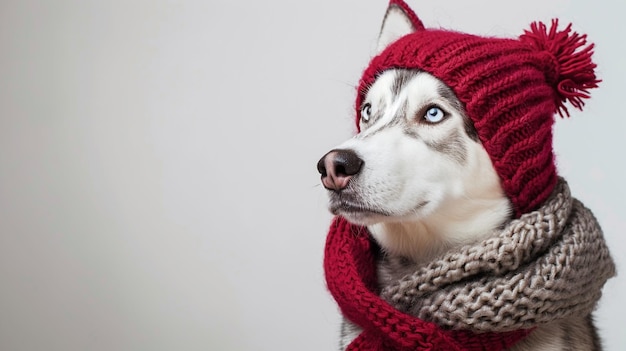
(510, 88)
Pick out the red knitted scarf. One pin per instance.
(350, 269)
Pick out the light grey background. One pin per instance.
(158, 188)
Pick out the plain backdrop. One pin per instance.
(158, 188)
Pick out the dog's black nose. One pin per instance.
(337, 167)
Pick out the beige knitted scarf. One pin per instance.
(547, 265)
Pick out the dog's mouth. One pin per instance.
(351, 208)
(348, 205)
(358, 214)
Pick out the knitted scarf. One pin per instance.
(547, 265)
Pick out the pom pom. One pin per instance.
(572, 69)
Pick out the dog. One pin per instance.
(418, 177)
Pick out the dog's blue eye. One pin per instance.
(434, 115)
(366, 112)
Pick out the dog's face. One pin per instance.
(417, 152)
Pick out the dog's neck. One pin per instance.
(470, 216)
(422, 240)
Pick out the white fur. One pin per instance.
(464, 201)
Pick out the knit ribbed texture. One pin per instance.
(510, 89)
(547, 265)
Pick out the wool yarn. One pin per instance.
(510, 88)
(349, 265)
(549, 264)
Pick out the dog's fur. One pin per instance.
(427, 186)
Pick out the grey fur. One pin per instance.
(596, 343)
(453, 146)
(402, 78)
(470, 130)
(449, 95)
(348, 332)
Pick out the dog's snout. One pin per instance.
(337, 167)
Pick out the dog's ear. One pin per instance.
(399, 21)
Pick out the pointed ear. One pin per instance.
(399, 21)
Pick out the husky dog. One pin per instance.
(419, 178)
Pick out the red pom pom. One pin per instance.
(572, 68)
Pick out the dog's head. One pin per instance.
(417, 157)
(455, 130)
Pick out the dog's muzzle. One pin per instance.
(337, 167)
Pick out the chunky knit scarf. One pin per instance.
(547, 265)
